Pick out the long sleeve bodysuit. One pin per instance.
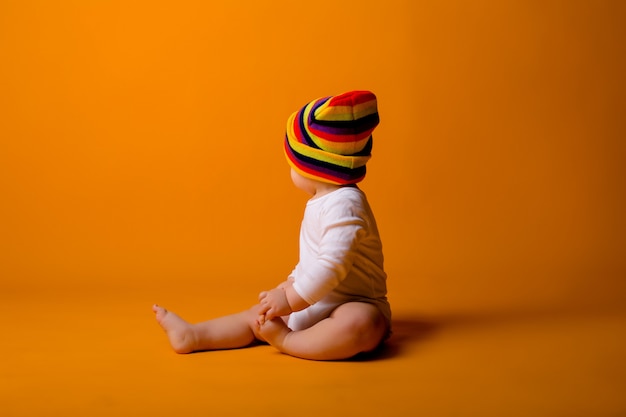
(341, 257)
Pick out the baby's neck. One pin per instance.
(322, 189)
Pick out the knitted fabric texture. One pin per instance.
(330, 139)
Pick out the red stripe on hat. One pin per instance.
(352, 98)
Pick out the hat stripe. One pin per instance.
(367, 122)
(343, 112)
(353, 98)
(340, 127)
(315, 169)
(346, 114)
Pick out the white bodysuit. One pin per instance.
(341, 257)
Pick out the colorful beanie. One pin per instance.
(330, 139)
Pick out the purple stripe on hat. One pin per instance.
(342, 127)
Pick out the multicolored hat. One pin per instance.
(330, 139)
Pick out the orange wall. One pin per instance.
(140, 143)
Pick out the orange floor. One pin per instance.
(79, 354)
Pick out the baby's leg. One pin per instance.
(352, 328)
(228, 332)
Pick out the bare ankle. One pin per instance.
(184, 341)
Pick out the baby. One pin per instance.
(334, 304)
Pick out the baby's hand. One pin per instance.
(273, 304)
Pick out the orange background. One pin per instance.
(140, 150)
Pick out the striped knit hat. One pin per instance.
(330, 139)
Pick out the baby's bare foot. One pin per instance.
(274, 332)
(180, 333)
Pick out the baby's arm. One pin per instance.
(296, 303)
(285, 283)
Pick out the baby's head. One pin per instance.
(330, 139)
